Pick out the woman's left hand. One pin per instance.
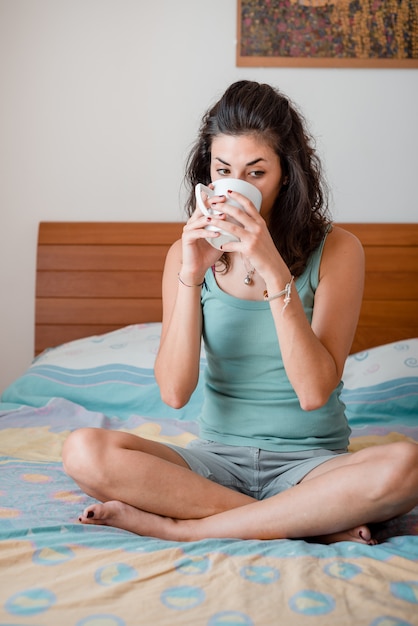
(256, 243)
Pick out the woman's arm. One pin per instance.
(314, 355)
(177, 362)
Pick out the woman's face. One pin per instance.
(249, 158)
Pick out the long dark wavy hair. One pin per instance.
(299, 217)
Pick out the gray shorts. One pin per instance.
(257, 473)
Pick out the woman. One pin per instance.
(278, 310)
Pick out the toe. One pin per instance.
(92, 515)
(364, 535)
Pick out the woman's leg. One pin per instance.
(372, 485)
(112, 465)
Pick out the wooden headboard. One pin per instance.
(93, 277)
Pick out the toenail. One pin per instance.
(90, 514)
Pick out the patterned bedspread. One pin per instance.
(54, 571)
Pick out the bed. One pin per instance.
(97, 329)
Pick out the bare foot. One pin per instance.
(121, 515)
(127, 517)
(360, 534)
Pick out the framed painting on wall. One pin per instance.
(328, 33)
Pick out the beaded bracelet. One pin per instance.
(287, 291)
(186, 285)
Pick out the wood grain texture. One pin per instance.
(94, 277)
(390, 303)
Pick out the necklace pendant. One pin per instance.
(248, 279)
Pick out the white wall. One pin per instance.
(101, 99)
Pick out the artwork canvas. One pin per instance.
(328, 33)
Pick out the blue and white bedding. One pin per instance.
(55, 571)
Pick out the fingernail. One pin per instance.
(208, 219)
(90, 514)
(229, 191)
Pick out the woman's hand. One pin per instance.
(197, 254)
(255, 242)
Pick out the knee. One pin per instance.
(407, 458)
(79, 451)
(402, 467)
(392, 469)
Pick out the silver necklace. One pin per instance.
(248, 280)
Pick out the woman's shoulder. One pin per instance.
(343, 240)
(342, 250)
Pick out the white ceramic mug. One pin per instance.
(221, 188)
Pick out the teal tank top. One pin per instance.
(248, 398)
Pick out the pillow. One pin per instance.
(381, 384)
(111, 374)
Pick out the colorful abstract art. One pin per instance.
(350, 33)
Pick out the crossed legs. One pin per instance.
(148, 489)
(111, 465)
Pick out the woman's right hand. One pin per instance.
(197, 254)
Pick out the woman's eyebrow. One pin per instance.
(247, 164)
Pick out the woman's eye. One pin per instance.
(256, 174)
(223, 171)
